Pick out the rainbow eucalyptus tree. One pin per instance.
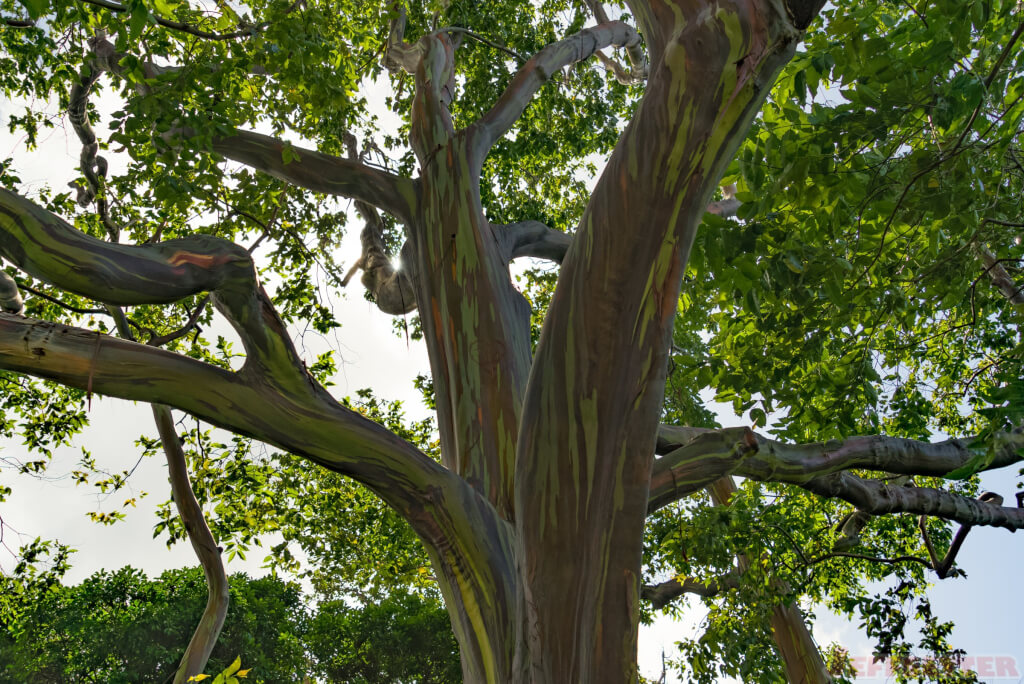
(809, 307)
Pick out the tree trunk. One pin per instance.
(591, 411)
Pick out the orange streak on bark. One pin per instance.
(202, 260)
(668, 304)
(436, 310)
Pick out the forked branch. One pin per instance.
(942, 567)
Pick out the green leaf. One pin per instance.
(36, 8)
(165, 7)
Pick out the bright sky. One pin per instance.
(985, 606)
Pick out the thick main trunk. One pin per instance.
(592, 405)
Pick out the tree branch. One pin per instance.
(190, 325)
(800, 654)
(663, 593)
(532, 239)
(47, 248)
(942, 567)
(323, 431)
(191, 29)
(539, 69)
(273, 400)
(1000, 277)
(309, 169)
(204, 638)
(321, 172)
(878, 498)
(694, 457)
(193, 662)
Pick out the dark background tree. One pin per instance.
(856, 290)
(122, 627)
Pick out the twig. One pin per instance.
(245, 32)
(54, 300)
(193, 320)
(480, 39)
(874, 559)
(942, 567)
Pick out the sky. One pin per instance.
(985, 606)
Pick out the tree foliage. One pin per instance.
(121, 626)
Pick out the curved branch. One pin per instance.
(204, 638)
(663, 593)
(193, 662)
(539, 69)
(439, 505)
(242, 32)
(532, 239)
(322, 431)
(48, 248)
(309, 169)
(694, 457)
(878, 498)
(321, 172)
(273, 400)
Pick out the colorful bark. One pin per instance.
(591, 411)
